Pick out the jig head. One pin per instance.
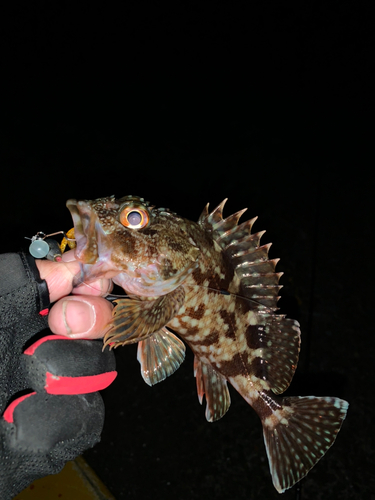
(42, 246)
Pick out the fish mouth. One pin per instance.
(84, 220)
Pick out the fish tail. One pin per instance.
(298, 434)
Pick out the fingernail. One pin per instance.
(79, 317)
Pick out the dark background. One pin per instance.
(188, 103)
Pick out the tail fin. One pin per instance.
(299, 434)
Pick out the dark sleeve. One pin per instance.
(23, 296)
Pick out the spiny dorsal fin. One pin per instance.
(203, 216)
(259, 281)
(217, 214)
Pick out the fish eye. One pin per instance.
(134, 218)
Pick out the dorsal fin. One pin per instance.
(203, 216)
(259, 281)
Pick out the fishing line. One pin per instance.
(113, 296)
(43, 246)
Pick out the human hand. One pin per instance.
(84, 314)
(64, 414)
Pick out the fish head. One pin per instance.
(146, 250)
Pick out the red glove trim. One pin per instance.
(30, 350)
(78, 385)
(8, 413)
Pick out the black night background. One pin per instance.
(183, 104)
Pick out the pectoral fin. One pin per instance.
(160, 355)
(212, 384)
(135, 320)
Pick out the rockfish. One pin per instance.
(211, 283)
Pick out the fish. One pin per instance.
(211, 285)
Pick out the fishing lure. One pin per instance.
(43, 246)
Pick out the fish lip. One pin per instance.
(84, 220)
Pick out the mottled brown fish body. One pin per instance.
(213, 284)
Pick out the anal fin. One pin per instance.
(160, 355)
(214, 386)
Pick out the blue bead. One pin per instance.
(39, 249)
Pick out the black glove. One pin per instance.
(64, 413)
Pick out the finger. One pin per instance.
(100, 287)
(60, 275)
(80, 316)
(68, 256)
